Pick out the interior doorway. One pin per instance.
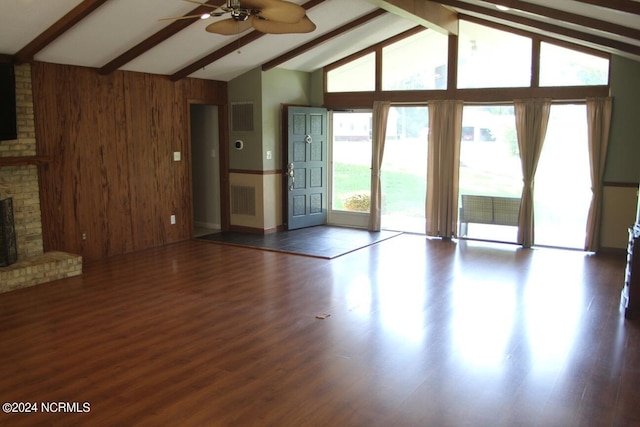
(205, 169)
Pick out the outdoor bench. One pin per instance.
(488, 210)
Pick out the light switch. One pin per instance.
(176, 156)
(268, 154)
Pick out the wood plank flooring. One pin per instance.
(420, 333)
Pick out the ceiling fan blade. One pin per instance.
(229, 27)
(276, 10)
(305, 25)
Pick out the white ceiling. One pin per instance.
(117, 25)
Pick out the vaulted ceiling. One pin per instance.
(130, 34)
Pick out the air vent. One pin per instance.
(243, 200)
(242, 117)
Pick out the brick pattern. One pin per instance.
(21, 184)
(41, 269)
(25, 145)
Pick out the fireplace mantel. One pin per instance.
(24, 161)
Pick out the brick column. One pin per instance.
(21, 182)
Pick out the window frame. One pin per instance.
(363, 100)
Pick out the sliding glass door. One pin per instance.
(490, 174)
(404, 169)
(563, 184)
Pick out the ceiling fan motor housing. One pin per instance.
(240, 14)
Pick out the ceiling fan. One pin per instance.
(266, 16)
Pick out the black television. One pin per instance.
(8, 124)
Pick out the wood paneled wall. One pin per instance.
(111, 139)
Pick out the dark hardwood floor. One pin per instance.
(420, 333)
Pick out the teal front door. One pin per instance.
(306, 168)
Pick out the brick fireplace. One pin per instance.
(19, 181)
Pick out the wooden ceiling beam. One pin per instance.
(543, 26)
(621, 5)
(592, 39)
(318, 41)
(157, 38)
(65, 23)
(572, 18)
(227, 49)
(427, 13)
(214, 56)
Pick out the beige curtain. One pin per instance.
(380, 115)
(445, 132)
(598, 122)
(532, 117)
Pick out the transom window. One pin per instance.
(486, 58)
(560, 66)
(492, 58)
(418, 62)
(358, 75)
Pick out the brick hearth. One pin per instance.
(21, 183)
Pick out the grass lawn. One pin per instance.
(405, 192)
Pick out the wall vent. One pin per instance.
(242, 117)
(243, 200)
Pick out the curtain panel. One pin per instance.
(445, 132)
(532, 117)
(380, 115)
(599, 123)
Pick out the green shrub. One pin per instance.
(358, 201)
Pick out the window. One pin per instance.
(563, 182)
(358, 75)
(403, 174)
(560, 66)
(351, 156)
(492, 58)
(490, 167)
(401, 70)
